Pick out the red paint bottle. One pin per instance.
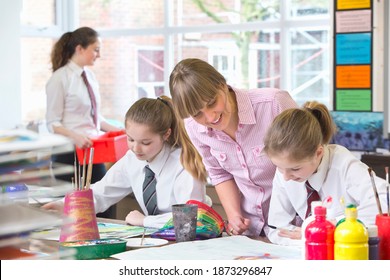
(319, 236)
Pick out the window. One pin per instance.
(150, 73)
(267, 43)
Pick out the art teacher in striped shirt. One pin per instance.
(227, 126)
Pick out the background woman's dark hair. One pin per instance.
(65, 47)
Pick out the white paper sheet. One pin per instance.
(225, 248)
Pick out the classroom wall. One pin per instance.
(10, 70)
(378, 56)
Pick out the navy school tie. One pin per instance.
(149, 191)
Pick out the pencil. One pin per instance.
(375, 191)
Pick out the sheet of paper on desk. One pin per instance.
(225, 248)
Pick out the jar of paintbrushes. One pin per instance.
(383, 219)
(79, 209)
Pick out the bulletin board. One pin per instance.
(353, 42)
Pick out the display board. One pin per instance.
(386, 88)
(353, 42)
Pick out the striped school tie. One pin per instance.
(312, 195)
(92, 97)
(149, 191)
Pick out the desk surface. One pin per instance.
(51, 247)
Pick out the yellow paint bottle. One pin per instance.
(351, 238)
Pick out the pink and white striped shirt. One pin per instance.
(243, 160)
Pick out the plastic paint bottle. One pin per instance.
(319, 236)
(373, 242)
(351, 238)
(308, 220)
(343, 219)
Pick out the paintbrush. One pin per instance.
(387, 190)
(75, 175)
(143, 237)
(89, 171)
(375, 191)
(37, 201)
(84, 168)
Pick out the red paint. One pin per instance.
(319, 235)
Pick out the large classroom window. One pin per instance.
(267, 43)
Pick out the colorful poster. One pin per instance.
(353, 21)
(353, 48)
(353, 4)
(353, 100)
(358, 76)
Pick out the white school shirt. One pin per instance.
(340, 174)
(174, 184)
(68, 102)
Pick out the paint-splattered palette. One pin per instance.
(95, 249)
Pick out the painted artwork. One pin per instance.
(359, 131)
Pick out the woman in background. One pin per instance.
(72, 95)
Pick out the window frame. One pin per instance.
(67, 18)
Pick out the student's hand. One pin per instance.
(295, 233)
(82, 141)
(135, 218)
(237, 225)
(56, 206)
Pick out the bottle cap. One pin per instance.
(351, 212)
(372, 231)
(320, 211)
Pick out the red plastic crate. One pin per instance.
(109, 147)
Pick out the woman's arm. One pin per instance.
(105, 126)
(80, 140)
(230, 198)
(281, 213)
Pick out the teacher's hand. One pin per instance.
(237, 225)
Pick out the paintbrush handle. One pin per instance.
(388, 200)
(143, 237)
(378, 203)
(84, 168)
(89, 171)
